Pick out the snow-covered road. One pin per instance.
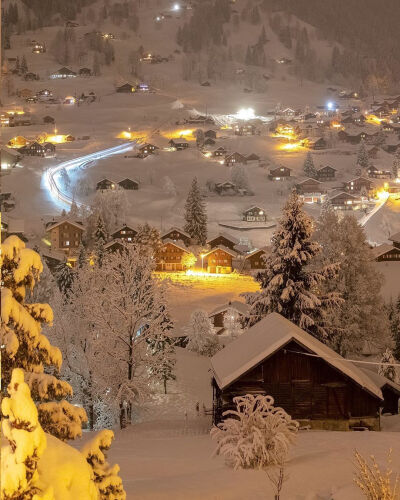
(376, 209)
(50, 175)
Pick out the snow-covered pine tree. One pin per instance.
(106, 477)
(362, 156)
(395, 329)
(288, 285)
(82, 256)
(45, 288)
(73, 211)
(240, 178)
(396, 165)
(361, 317)
(309, 167)
(148, 237)
(64, 276)
(24, 66)
(100, 238)
(201, 334)
(195, 215)
(26, 441)
(26, 347)
(233, 323)
(386, 370)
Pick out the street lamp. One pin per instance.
(202, 257)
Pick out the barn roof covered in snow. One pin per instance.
(240, 307)
(265, 338)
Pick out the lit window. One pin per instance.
(67, 243)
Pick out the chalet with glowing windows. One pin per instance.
(178, 144)
(65, 235)
(385, 253)
(36, 149)
(326, 173)
(126, 88)
(359, 185)
(254, 214)
(169, 256)
(146, 150)
(219, 152)
(175, 234)
(129, 184)
(279, 173)
(306, 378)
(377, 173)
(125, 233)
(219, 260)
(223, 239)
(255, 260)
(105, 184)
(63, 73)
(234, 159)
(217, 316)
(346, 201)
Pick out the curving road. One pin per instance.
(50, 173)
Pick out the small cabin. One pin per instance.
(147, 149)
(219, 260)
(345, 201)
(279, 173)
(65, 235)
(254, 214)
(252, 157)
(376, 173)
(169, 256)
(385, 253)
(209, 142)
(226, 188)
(223, 239)
(218, 314)
(255, 261)
(175, 234)
(48, 119)
(127, 88)
(125, 233)
(63, 73)
(310, 186)
(210, 133)
(273, 358)
(105, 184)
(234, 159)
(221, 151)
(85, 72)
(327, 173)
(129, 184)
(395, 238)
(358, 185)
(114, 246)
(179, 144)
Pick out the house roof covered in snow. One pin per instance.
(240, 307)
(265, 338)
(395, 237)
(177, 244)
(223, 248)
(62, 221)
(174, 228)
(227, 236)
(381, 250)
(379, 380)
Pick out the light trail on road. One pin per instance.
(50, 173)
(376, 209)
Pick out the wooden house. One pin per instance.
(252, 157)
(36, 149)
(114, 246)
(327, 173)
(226, 188)
(223, 239)
(254, 214)
(377, 173)
(48, 119)
(105, 184)
(218, 314)
(345, 201)
(390, 391)
(126, 88)
(210, 133)
(179, 144)
(129, 184)
(234, 159)
(358, 185)
(385, 253)
(309, 186)
(315, 143)
(31, 77)
(125, 233)
(209, 142)
(272, 358)
(175, 234)
(221, 151)
(169, 256)
(373, 153)
(65, 235)
(245, 129)
(279, 173)
(219, 260)
(147, 149)
(63, 73)
(254, 261)
(85, 72)
(395, 238)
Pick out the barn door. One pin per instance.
(302, 398)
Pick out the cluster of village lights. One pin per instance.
(245, 114)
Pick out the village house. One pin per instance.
(217, 316)
(129, 184)
(125, 233)
(65, 235)
(315, 143)
(175, 234)
(310, 186)
(25, 93)
(210, 133)
(227, 188)
(39, 48)
(359, 185)
(114, 246)
(252, 158)
(223, 239)
(127, 88)
(390, 391)
(31, 77)
(373, 153)
(221, 151)
(245, 129)
(36, 149)
(279, 173)
(376, 173)
(385, 252)
(234, 159)
(48, 119)
(219, 260)
(146, 150)
(327, 173)
(254, 214)
(345, 201)
(63, 73)
(179, 144)
(254, 261)
(323, 390)
(85, 72)
(396, 240)
(105, 184)
(209, 142)
(169, 256)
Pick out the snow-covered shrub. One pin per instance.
(201, 334)
(373, 482)
(233, 323)
(390, 372)
(106, 477)
(256, 434)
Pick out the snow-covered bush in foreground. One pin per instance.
(106, 477)
(256, 435)
(374, 483)
(201, 334)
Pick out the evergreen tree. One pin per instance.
(24, 65)
(82, 257)
(394, 318)
(255, 15)
(26, 347)
(309, 167)
(148, 238)
(17, 64)
(232, 323)
(240, 178)
(288, 285)
(64, 276)
(362, 156)
(396, 165)
(262, 39)
(201, 334)
(390, 372)
(99, 238)
(195, 215)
